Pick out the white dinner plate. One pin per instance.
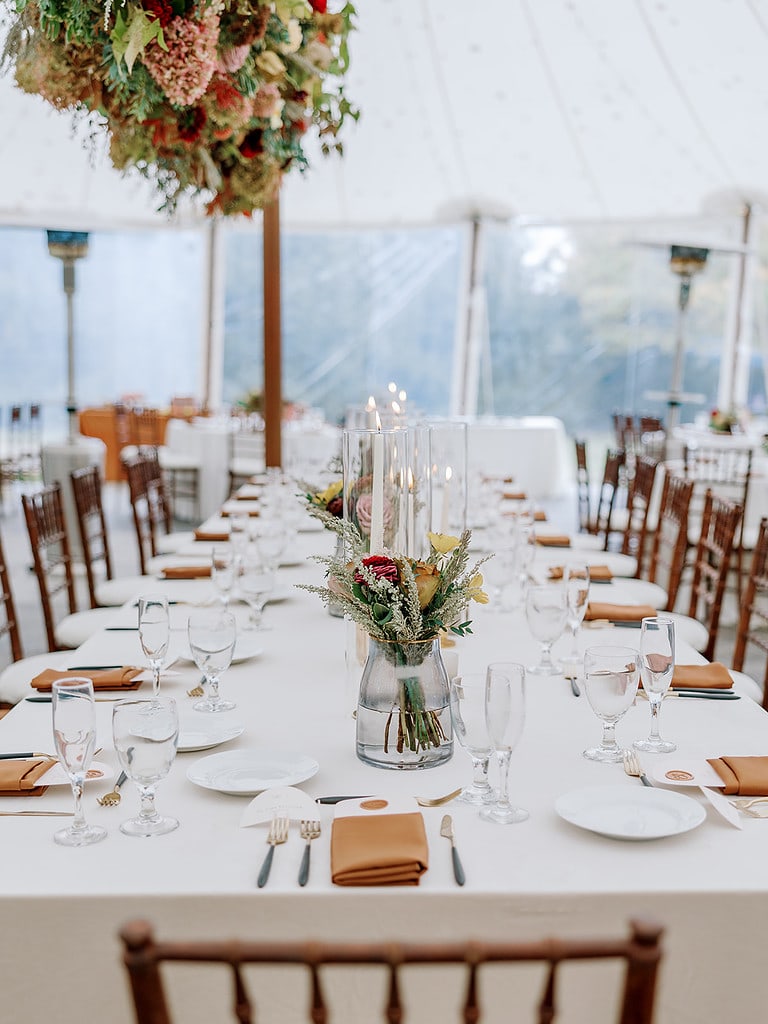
(209, 732)
(247, 772)
(246, 646)
(57, 776)
(630, 812)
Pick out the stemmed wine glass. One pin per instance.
(74, 733)
(611, 675)
(546, 609)
(577, 598)
(212, 635)
(256, 583)
(223, 570)
(498, 571)
(505, 718)
(154, 633)
(145, 734)
(239, 534)
(467, 694)
(657, 663)
(271, 541)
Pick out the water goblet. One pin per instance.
(224, 564)
(611, 675)
(271, 541)
(546, 610)
(505, 718)
(212, 634)
(498, 572)
(154, 633)
(256, 583)
(145, 734)
(577, 598)
(657, 663)
(467, 694)
(74, 734)
(239, 534)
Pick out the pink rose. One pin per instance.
(363, 511)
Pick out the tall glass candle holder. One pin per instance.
(375, 471)
(419, 496)
(448, 476)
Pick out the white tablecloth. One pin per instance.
(60, 909)
(534, 450)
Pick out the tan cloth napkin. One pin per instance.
(715, 675)
(515, 495)
(539, 516)
(125, 678)
(597, 573)
(186, 572)
(553, 540)
(618, 612)
(215, 535)
(746, 776)
(225, 512)
(383, 849)
(18, 778)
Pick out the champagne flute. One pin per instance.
(611, 676)
(145, 734)
(212, 635)
(467, 694)
(223, 571)
(505, 718)
(74, 734)
(256, 583)
(577, 598)
(546, 610)
(657, 663)
(154, 633)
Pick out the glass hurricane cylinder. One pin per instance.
(448, 450)
(403, 711)
(375, 472)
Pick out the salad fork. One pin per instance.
(632, 767)
(309, 830)
(112, 799)
(278, 833)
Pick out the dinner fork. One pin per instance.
(112, 799)
(309, 830)
(278, 833)
(632, 767)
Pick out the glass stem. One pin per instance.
(655, 713)
(155, 680)
(546, 653)
(480, 773)
(574, 645)
(504, 758)
(213, 683)
(147, 795)
(609, 736)
(77, 792)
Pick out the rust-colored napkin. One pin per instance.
(225, 512)
(103, 679)
(715, 675)
(597, 573)
(553, 540)
(18, 778)
(186, 572)
(383, 849)
(745, 776)
(212, 535)
(247, 497)
(618, 612)
(539, 516)
(515, 496)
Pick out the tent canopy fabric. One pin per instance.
(542, 110)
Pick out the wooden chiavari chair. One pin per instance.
(582, 488)
(638, 506)
(8, 624)
(609, 488)
(670, 540)
(753, 617)
(151, 515)
(143, 956)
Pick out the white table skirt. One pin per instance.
(60, 909)
(534, 450)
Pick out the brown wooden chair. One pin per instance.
(609, 490)
(582, 488)
(670, 539)
(8, 622)
(641, 953)
(753, 617)
(151, 515)
(638, 506)
(52, 563)
(104, 590)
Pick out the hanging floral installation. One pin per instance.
(210, 97)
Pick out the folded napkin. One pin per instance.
(553, 540)
(246, 497)
(225, 512)
(539, 516)
(745, 776)
(215, 535)
(103, 679)
(715, 675)
(515, 496)
(618, 612)
(597, 573)
(186, 572)
(380, 849)
(18, 778)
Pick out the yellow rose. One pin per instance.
(270, 64)
(329, 493)
(427, 578)
(443, 542)
(294, 37)
(475, 591)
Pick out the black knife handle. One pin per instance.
(458, 870)
(646, 781)
(261, 881)
(304, 868)
(332, 799)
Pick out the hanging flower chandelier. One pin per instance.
(210, 97)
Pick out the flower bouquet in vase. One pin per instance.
(404, 606)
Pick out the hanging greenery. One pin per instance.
(212, 97)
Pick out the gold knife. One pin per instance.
(446, 830)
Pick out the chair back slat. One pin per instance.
(44, 515)
(614, 461)
(753, 613)
(670, 541)
(92, 524)
(638, 506)
(719, 522)
(9, 624)
(547, 1004)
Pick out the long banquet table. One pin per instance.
(60, 909)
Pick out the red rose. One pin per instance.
(336, 507)
(383, 568)
(252, 145)
(319, 6)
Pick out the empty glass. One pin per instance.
(498, 572)
(145, 734)
(256, 584)
(577, 598)
(546, 609)
(74, 734)
(154, 633)
(505, 718)
(239, 534)
(271, 541)
(223, 571)
(611, 675)
(212, 635)
(657, 663)
(470, 728)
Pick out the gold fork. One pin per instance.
(744, 803)
(437, 801)
(197, 691)
(112, 799)
(278, 833)
(632, 767)
(309, 830)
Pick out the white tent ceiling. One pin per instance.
(547, 110)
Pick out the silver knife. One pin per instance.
(446, 830)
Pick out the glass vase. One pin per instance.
(403, 711)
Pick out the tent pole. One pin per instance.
(213, 333)
(467, 354)
(273, 399)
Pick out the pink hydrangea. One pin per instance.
(184, 72)
(232, 58)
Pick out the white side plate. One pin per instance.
(247, 772)
(628, 812)
(202, 735)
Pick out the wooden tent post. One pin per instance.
(273, 397)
